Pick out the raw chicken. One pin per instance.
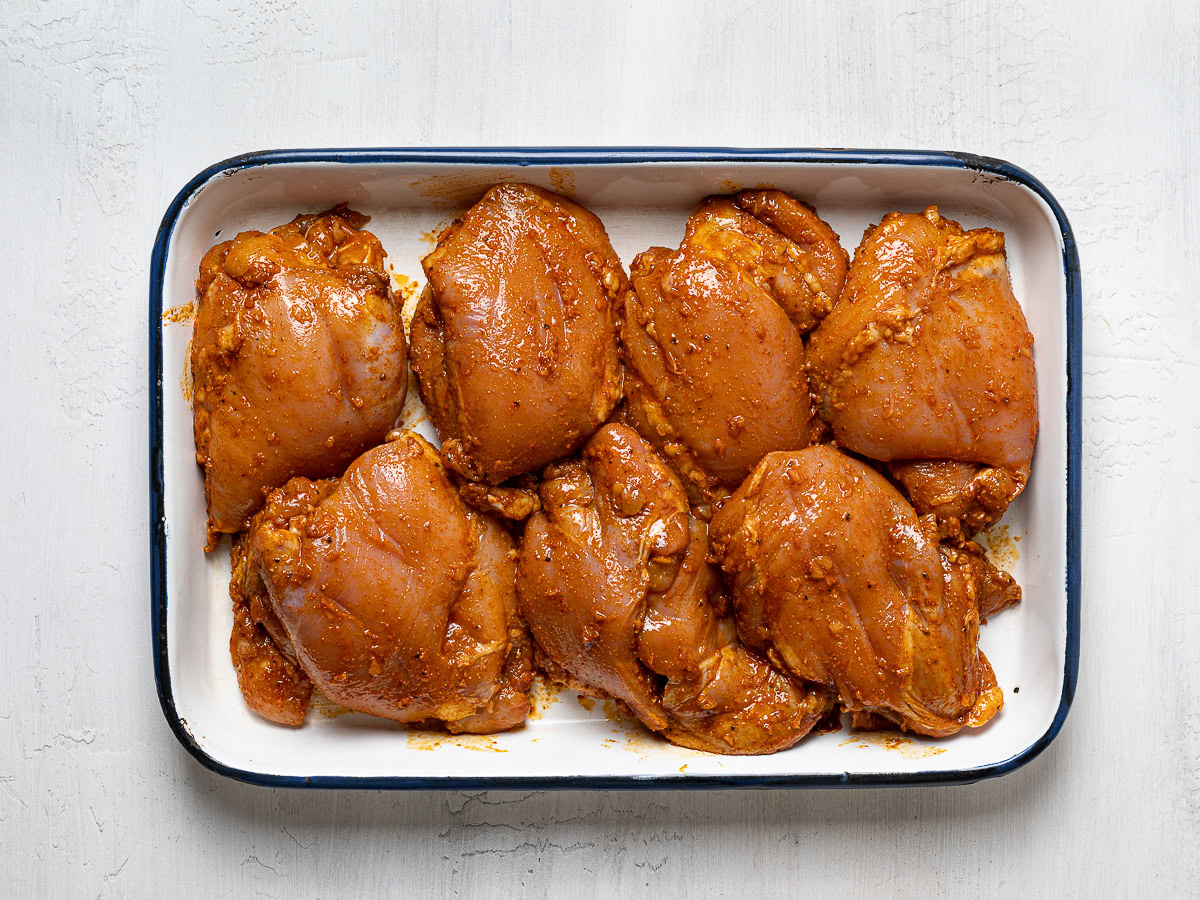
(926, 363)
(514, 339)
(390, 593)
(712, 336)
(622, 602)
(298, 359)
(964, 497)
(270, 678)
(831, 570)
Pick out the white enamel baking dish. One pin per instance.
(643, 196)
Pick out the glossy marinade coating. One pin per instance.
(298, 359)
(622, 602)
(712, 336)
(514, 339)
(927, 360)
(964, 497)
(832, 570)
(395, 597)
(269, 676)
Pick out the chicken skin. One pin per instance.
(614, 580)
(926, 363)
(832, 570)
(712, 336)
(388, 592)
(269, 676)
(514, 340)
(964, 497)
(298, 359)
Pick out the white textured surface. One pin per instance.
(106, 109)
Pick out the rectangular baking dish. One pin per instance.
(643, 196)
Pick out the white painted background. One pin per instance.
(106, 109)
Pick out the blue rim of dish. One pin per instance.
(606, 156)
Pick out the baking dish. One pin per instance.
(643, 196)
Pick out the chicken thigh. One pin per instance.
(298, 359)
(387, 591)
(832, 570)
(712, 336)
(926, 363)
(514, 339)
(614, 580)
(270, 678)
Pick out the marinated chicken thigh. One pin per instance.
(270, 678)
(832, 570)
(964, 497)
(991, 588)
(387, 591)
(692, 552)
(622, 602)
(298, 359)
(514, 339)
(712, 336)
(926, 363)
